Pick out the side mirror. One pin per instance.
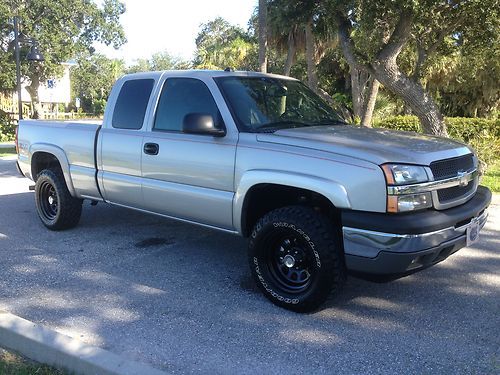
(201, 123)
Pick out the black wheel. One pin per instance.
(295, 258)
(56, 207)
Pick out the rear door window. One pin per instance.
(130, 107)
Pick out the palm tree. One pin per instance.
(263, 36)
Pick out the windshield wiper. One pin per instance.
(289, 124)
(328, 122)
(284, 124)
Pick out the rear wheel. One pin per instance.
(56, 207)
(295, 258)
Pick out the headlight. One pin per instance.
(400, 174)
(408, 202)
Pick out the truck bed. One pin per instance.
(76, 141)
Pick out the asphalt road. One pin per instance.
(181, 298)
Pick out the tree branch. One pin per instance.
(347, 45)
(423, 54)
(398, 38)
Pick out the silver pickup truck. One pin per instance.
(263, 157)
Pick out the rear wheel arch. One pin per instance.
(43, 160)
(53, 158)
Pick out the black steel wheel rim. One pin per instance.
(290, 262)
(49, 202)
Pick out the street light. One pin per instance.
(33, 55)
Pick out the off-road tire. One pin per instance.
(56, 208)
(318, 239)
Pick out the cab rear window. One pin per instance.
(130, 107)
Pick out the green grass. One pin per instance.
(13, 364)
(491, 178)
(7, 151)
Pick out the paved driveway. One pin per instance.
(181, 298)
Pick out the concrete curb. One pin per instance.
(46, 346)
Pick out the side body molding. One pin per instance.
(61, 157)
(332, 190)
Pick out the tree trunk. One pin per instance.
(370, 100)
(384, 68)
(358, 79)
(263, 36)
(312, 78)
(290, 54)
(414, 95)
(35, 100)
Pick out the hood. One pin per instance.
(378, 146)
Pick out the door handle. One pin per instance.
(151, 148)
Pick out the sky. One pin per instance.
(165, 25)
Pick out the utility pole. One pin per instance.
(18, 67)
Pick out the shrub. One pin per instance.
(483, 135)
(7, 127)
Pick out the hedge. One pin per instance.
(7, 127)
(483, 135)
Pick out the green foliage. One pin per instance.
(466, 83)
(92, 80)
(63, 28)
(7, 127)
(492, 177)
(158, 61)
(13, 364)
(220, 45)
(483, 135)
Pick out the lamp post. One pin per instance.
(33, 55)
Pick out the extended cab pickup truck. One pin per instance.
(263, 157)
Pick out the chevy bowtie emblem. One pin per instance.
(462, 178)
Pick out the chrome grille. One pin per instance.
(450, 168)
(456, 192)
(447, 168)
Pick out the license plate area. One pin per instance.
(472, 232)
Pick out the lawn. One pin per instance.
(491, 178)
(13, 364)
(7, 151)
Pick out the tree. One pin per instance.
(7, 66)
(393, 26)
(159, 61)
(63, 29)
(292, 18)
(92, 80)
(286, 32)
(263, 36)
(220, 45)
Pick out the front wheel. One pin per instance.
(56, 207)
(295, 258)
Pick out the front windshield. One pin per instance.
(265, 104)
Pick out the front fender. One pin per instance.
(60, 155)
(332, 190)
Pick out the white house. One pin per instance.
(51, 92)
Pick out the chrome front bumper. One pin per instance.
(383, 253)
(369, 244)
